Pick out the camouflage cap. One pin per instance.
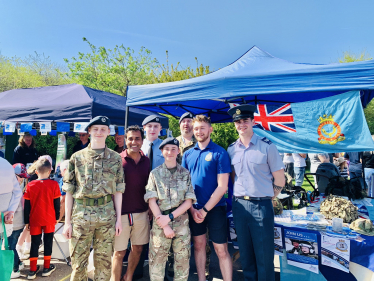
(363, 226)
(277, 206)
(338, 207)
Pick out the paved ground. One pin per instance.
(63, 271)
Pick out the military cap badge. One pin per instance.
(175, 141)
(103, 119)
(238, 111)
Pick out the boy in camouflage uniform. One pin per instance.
(94, 174)
(170, 194)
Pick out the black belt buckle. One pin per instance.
(96, 202)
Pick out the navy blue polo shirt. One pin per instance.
(204, 166)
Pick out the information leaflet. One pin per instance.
(335, 252)
(302, 249)
(278, 244)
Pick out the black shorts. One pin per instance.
(215, 222)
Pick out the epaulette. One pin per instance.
(233, 143)
(266, 140)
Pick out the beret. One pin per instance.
(151, 118)
(242, 111)
(170, 140)
(185, 115)
(99, 120)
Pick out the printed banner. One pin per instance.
(121, 130)
(45, 127)
(331, 124)
(112, 130)
(335, 252)
(10, 127)
(80, 127)
(63, 127)
(278, 242)
(25, 127)
(302, 249)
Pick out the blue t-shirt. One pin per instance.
(204, 166)
(60, 183)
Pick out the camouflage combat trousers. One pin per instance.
(92, 225)
(160, 245)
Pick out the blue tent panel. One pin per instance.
(68, 103)
(256, 77)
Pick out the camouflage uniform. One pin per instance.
(184, 147)
(170, 190)
(92, 175)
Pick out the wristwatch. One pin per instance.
(171, 216)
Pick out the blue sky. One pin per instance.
(216, 32)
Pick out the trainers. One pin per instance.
(32, 274)
(21, 266)
(48, 271)
(15, 274)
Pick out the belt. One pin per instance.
(94, 201)
(169, 211)
(248, 198)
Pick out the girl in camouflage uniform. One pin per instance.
(170, 194)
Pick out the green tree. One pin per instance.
(111, 70)
(36, 70)
(350, 57)
(369, 110)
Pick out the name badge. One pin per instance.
(209, 157)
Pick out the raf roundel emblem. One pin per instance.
(238, 111)
(103, 119)
(175, 141)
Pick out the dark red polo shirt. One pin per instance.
(136, 179)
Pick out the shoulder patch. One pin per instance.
(266, 140)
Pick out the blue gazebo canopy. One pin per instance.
(256, 77)
(68, 103)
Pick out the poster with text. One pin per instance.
(335, 252)
(278, 244)
(302, 249)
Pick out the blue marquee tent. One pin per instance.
(254, 78)
(68, 103)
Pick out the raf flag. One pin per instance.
(332, 124)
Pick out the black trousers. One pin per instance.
(35, 243)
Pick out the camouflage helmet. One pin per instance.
(363, 226)
(277, 206)
(338, 207)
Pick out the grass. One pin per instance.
(306, 184)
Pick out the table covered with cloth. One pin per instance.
(361, 260)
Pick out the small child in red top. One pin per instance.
(42, 210)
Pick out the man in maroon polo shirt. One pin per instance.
(134, 214)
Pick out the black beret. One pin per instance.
(170, 140)
(242, 111)
(99, 120)
(185, 115)
(151, 118)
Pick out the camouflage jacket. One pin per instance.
(184, 147)
(171, 190)
(94, 175)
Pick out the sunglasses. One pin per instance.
(82, 135)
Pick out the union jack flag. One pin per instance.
(275, 118)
